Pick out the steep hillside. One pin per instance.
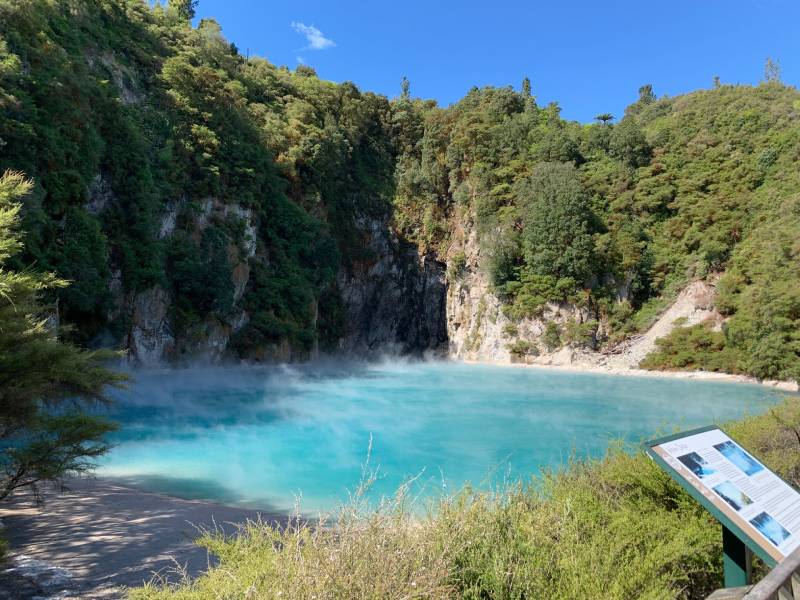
(202, 203)
(205, 204)
(581, 235)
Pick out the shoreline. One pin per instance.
(101, 537)
(600, 369)
(586, 363)
(105, 534)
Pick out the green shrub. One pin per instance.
(456, 267)
(551, 338)
(502, 252)
(628, 144)
(530, 294)
(694, 348)
(522, 348)
(581, 335)
(510, 330)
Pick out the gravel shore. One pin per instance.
(99, 537)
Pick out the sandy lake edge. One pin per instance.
(600, 369)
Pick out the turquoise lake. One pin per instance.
(261, 437)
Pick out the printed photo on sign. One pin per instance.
(739, 457)
(770, 528)
(732, 495)
(696, 464)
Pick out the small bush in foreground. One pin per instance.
(614, 528)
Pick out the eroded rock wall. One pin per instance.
(478, 328)
(150, 339)
(394, 302)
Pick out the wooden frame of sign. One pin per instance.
(752, 503)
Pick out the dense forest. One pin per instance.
(162, 158)
(116, 96)
(699, 186)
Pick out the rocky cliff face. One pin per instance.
(150, 339)
(394, 302)
(479, 330)
(398, 301)
(477, 327)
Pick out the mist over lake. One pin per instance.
(263, 436)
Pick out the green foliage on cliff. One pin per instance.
(45, 384)
(615, 528)
(681, 188)
(200, 274)
(123, 113)
(557, 238)
(696, 348)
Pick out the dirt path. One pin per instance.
(100, 537)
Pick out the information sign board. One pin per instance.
(749, 499)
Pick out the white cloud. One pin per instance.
(301, 60)
(314, 37)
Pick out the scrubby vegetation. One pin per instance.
(615, 528)
(698, 347)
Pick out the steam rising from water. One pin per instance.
(262, 435)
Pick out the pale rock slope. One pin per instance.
(695, 304)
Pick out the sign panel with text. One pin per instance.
(749, 499)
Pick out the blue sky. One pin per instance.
(591, 57)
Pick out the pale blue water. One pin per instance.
(261, 436)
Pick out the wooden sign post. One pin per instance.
(759, 512)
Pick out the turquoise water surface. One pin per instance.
(263, 436)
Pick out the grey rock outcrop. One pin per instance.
(99, 195)
(478, 326)
(150, 338)
(124, 78)
(395, 302)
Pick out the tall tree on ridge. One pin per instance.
(527, 94)
(526, 87)
(772, 70)
(646, 94)
(605, 118)
(405, 88)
